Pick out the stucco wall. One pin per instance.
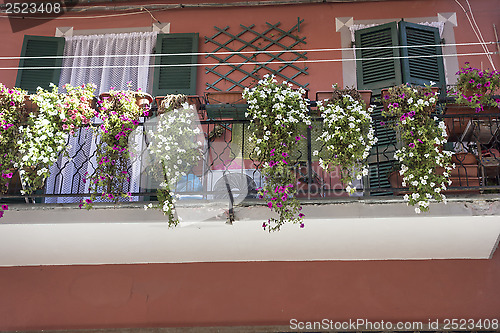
(319, 28)
(238, 294)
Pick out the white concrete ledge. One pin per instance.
(332, 232)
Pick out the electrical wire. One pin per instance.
(244, 52)
(476, 33)
(479, 31)
(285, 62)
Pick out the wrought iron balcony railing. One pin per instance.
(229, 153)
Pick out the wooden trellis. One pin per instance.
(271, 38)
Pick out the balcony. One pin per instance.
(374, 223)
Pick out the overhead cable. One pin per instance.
(245, 52)
(285, 62)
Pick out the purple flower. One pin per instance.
(412, 145)
(5, 207)
(284, 154)
(302, 225)
(279, 204)
(472, 81)
(297, 138)
(264, 225)
(301, 215)
(1, 214)
(80, 205)
(270, 204)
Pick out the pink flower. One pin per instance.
(5, 207)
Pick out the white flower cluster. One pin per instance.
(41, 140)
(175, 144)
(276, 105)
(421, 157)
(347, 138)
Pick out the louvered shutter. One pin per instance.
(424, 64)
(40, 46)
(378, 73)
(175, 79)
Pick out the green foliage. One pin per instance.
(424, 166)
(347, 136)
(276, 111)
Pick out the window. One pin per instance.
(40, 46)
(175, 79)
(418, 65)
(91, 58)
(393, 66)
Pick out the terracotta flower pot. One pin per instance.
(460, 115)
(464, 159)
(396, 182)
(144, 100)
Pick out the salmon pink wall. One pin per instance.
(318, 28)
(244, 294)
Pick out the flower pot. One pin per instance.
(462, 171)
(464, 159)
(29, 105)
(144, 100)
(366, 95)
(463, 182)
(396, 182)
(459, 117)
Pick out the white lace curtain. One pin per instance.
(67, 175)
(93, 51)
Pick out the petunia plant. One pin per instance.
(78, 108)
(12, 114)
(347, 135)
(42, 139)
(475, 87)
(176, 148)
(276, 110)
(120, 115)
(422, 136)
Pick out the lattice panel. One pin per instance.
(250, 47)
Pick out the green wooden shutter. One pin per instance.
(175, 79)
(429, 64)
(40, 46)
(378, 73)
